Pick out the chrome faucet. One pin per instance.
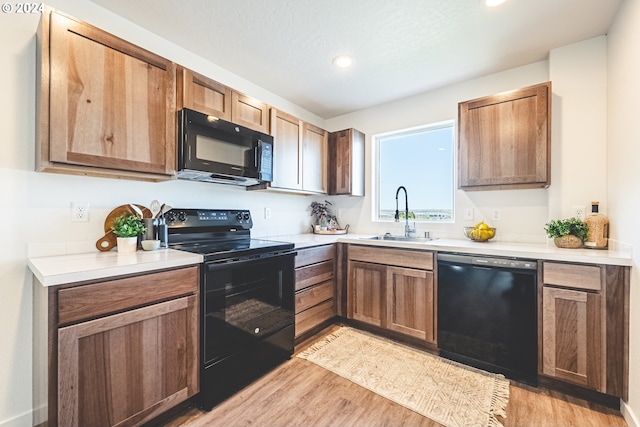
(408, 231)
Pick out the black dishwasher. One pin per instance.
(487, 314)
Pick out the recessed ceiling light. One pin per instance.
(342, 61)
(494, 3)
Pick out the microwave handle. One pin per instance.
(255, 156)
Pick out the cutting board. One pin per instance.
(109, 242)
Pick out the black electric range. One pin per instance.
(246, 298)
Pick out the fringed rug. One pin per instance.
(444, 391)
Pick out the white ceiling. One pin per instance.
(400, 47)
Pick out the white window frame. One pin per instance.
(375, 167)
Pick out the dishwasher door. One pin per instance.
(487, 314)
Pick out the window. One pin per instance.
(421, 160)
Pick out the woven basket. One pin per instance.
(569, 242)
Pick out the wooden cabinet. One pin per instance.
(584, 325)
(346, 163)
(504, 141)
(105, 106)
(392, 289)
(249, 112)
(314, 158)
(122, 351)
(315, 301)
(299, 154)
(367, 293)
(410, 304)
(207, 96)
(202, 94)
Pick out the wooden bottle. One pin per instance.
(598, 224)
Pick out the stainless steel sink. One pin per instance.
(400, 238)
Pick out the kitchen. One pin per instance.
(594, 111)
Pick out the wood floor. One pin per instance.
(299, 393)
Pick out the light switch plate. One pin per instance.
(468, 214)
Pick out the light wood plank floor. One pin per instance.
(299, 393)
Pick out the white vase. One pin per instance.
(127, 244)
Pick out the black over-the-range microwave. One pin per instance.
(214, 150)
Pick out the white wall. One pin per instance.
(578, 75)
(623, 155)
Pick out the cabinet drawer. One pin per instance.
(314, 295)
(313, 274)
(314, 316)
(396, 257)
(572, 275)
(99, 299)
(315, 255)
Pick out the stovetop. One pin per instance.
(241, 248)
(218, 234)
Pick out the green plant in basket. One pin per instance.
(567, 227)
(128, 225)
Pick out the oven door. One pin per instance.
(245, 301)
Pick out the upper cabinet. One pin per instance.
(202, 94)
(505, 140)
(249, 112)
(346, 162)
(314, 158)
(105, 106)
(207, 96)
(299, 152)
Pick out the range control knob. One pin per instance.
(171, 216)
(239, 216)
(182, 216)
(246, 216)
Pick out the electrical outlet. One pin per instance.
(496, 215)
(79, 212)
(267, 213)
(579, 212)
(468, 214)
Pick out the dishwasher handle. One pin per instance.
(521, 264)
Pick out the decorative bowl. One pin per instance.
(479, 234)
(150, 245)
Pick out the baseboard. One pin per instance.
(22, 420)
(628, 414)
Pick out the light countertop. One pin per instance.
(58, 270)
(519, 250)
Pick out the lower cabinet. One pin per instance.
(315, 301)
(392, 289)
(123, 351)
(584, 327)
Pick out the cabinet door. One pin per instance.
(572, 336)
(287, 152)
(126, 368)
(504, 140)
(202, 94)
(346, 162)
(410, 302)
(367, 293)
(249, 112)
(314, 158)
(111, 103)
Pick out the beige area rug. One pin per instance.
(444, 391)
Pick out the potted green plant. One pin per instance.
(567, 233)
(127, 228)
